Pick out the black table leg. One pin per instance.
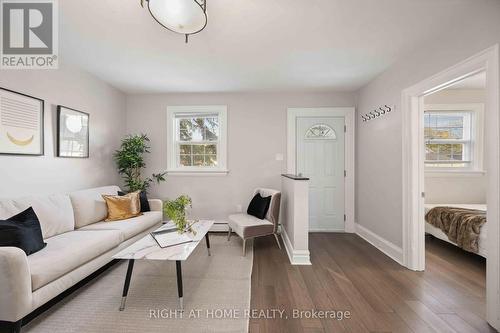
(16, 328)
(208, 244)
(179, 283)
(127, 283)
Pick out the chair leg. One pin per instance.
(244, 247)
(277, 240)
(229, 234)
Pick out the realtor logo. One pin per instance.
(29, 34)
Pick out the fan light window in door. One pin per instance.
(321, 132)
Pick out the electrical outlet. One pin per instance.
(238, 208)
(279, 157)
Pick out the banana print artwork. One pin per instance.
(20, 142)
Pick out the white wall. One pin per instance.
(457, 96)
(256, 133)
(26, 175)
(379, 142)
(295, 219)
(460, 188)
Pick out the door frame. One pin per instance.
(349, 155)
(413, 167)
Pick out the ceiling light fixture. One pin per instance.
(185, 17)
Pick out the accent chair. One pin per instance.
(248, 226)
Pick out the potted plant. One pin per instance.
(176, 210)
(130, 161)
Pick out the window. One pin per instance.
(197, 139)
(321, 131)
(453, 138)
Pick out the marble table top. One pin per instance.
(147, 248)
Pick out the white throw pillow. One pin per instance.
(54, 212)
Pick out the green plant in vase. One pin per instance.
(130, 161)
(176, 211)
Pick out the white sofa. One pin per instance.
(78, 241)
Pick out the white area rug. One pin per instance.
(211, 284)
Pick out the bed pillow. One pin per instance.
(23, 231)
(259, 206)
(143, 198)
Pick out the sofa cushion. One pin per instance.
(129, 227)
(248, 226)
(22, 231)
(89, 206)
(67, 251)
(143, 197)
(54, 212)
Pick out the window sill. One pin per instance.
(454, 173)
(197, 172)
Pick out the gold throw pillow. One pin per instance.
(123, 207)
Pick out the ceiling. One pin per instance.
(251, 45)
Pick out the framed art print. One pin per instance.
(72, 133)
(21, 124)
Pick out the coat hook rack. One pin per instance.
(377, 112)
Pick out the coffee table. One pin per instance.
(147, 249)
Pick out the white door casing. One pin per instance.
(320, 157)
(413, 167)
(349, 152)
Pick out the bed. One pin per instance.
(438, 233)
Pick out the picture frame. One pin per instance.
(21, 124)
(73, 133)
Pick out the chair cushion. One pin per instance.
(248, 226)
(54, 212)
(89, 206)
(129, 227)
(259, 206)
(274, 208)
(68, 251)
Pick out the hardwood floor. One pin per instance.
(349, 274)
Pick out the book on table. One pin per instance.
(170, 237)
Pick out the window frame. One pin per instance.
(173, 153)
(476, 153)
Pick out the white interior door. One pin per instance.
(320, 157)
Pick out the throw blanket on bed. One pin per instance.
(462, 226)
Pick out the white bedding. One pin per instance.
(438, 233)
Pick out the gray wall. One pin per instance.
(25, 175)
(256, 133)
(379, 142)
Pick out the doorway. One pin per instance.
(320, 157)
(414, 156)
(321, 148)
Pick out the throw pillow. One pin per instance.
(143, 198)
(259, 206)
(23, 231)
(122, 207)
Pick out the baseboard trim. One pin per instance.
(392, 251)
(220, 226)
(327, 230)
(296, 257)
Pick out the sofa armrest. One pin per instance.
(15, 284)
(155, 205)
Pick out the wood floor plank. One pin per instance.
(430, 317)
(458, 324)
(350, 274)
